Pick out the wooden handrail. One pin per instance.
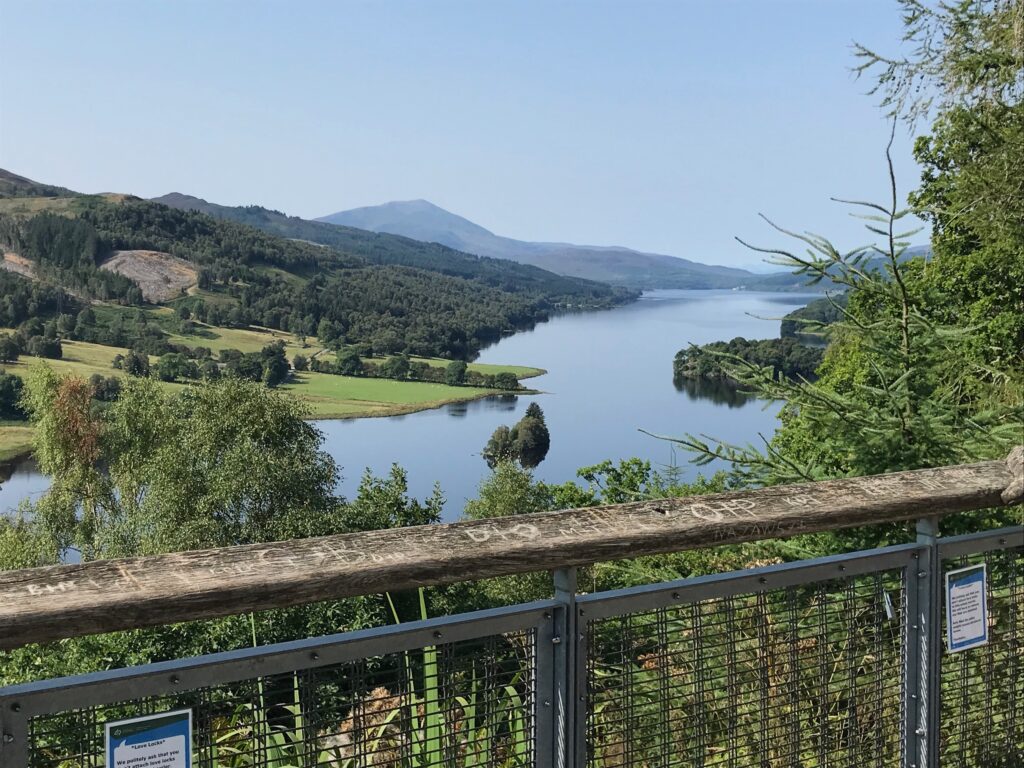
(44, 604)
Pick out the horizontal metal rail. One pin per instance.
(45, 604)
(985, 541)
(47, 696)
(603, 605)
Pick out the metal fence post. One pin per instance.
(13, 735)
(565, 711)
(924, 650)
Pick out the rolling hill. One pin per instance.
(396, 250)
(13, 185)
(422, 220)
(386, 293)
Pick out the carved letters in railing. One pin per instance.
(42, 604)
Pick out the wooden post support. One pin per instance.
(45, 604)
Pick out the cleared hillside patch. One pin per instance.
(18, 264)
(161, 276)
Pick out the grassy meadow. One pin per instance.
(327, 396)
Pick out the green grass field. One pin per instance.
(80, 359)
(521, 371)
(332, 396)
(327, 396)
(29, 206)
(245, 340)
(15, 439)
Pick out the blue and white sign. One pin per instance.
(966, 608)
(154, 741)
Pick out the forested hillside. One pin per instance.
(383, 248)
(784, 357)
(365, 288)
(13, 185)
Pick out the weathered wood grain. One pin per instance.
(44, 604)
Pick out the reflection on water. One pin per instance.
(20, 480)
(718, 392)
(499, 403)
(609, 377)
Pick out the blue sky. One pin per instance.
(664, 126)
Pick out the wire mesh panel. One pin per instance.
(806, 675)
(982, 694)
(460, 704)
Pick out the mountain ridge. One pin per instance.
(390, 249)
(619, 265)
(252, 267)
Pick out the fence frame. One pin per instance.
(561, 645)
(560, 625)
(20, 703)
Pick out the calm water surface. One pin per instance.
(609, 376)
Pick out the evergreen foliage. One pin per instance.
(810, 323)
(785, 357)
(926, 364)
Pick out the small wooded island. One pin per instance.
(723, 361)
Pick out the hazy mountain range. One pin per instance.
(396, 250)
(422, 220)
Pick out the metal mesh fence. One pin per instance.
(778, 667)
(982, 691)
(808, 675)
(460, 705)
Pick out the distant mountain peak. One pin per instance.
(426, 221)
(420, 219)
(175, 199)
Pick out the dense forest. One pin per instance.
(448, 305)
(785, 357)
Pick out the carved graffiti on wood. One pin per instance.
(65, 601)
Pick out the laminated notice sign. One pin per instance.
(966, 608)
(154, 741)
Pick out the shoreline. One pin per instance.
(433, 405)
(20, 450)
